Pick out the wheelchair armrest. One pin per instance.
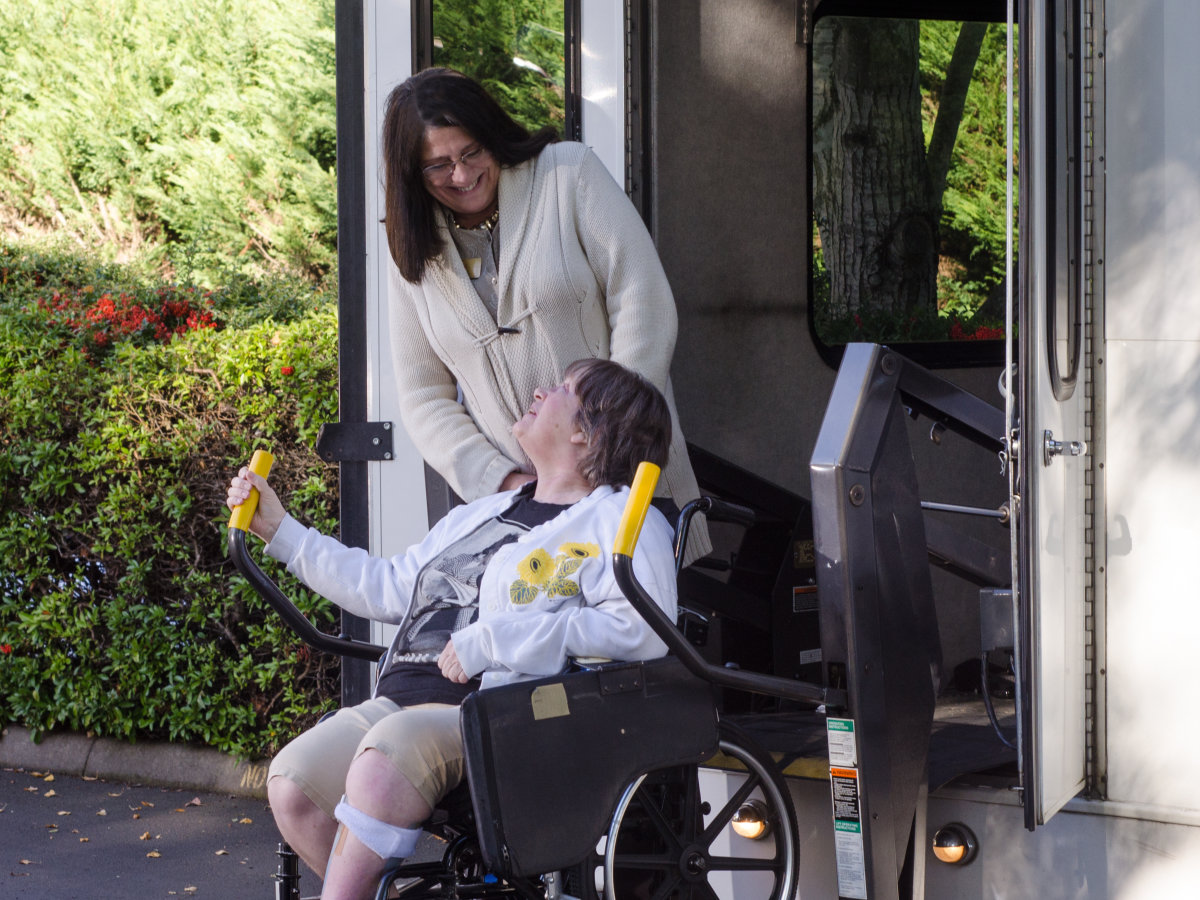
(715, 510)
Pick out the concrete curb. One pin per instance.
(168, 765)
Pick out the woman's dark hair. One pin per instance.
(625, 418)
(438, 98)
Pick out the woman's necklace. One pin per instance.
(483, 233)
(489, 223)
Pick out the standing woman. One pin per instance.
(515, 255)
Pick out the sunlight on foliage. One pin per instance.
(127, 127)
(514, 48)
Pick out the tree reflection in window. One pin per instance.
(514, 48)
(908, 163)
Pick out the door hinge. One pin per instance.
(355, 441)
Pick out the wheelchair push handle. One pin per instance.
(628, 532)
(260, 464)
(634, 517)
(239, 525)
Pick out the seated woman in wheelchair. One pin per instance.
(505, 588)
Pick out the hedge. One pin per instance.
(126, 407)
(132, 127)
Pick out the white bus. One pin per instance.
(1043, 350)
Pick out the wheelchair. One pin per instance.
(610, 782)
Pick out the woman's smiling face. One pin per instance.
(468, 187)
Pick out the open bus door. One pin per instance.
(1052, 578)
(379, 44)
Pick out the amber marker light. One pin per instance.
(751, 820)
(955, 844)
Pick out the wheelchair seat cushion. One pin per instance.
(547, 760)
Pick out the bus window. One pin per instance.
(517, 51)
(908, 135)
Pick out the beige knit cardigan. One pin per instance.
(579, 277)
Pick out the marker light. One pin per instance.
(955, 844)
(751, 820)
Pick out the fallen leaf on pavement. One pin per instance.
(102, 812)
(83, 840)
(145, 836)
(64, 812)
(31, 790)
(195, 801)
(48, 778)
(191, 889)
(147, 803)
(50, 793)
(245, 821)
(89, 777)
(154, 854)
(222, 853)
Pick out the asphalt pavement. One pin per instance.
(87, 818)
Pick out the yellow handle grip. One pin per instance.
(260, 464)
(636, 506)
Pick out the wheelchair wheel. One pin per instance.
(671, 836)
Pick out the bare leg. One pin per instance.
(376, 787)
(301, 823)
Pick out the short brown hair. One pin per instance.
(438, 98)
(625, 418)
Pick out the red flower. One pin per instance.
(6, 648)
(286, 370)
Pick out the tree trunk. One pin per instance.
(877, 200)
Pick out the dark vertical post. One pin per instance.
(352, 318)
(573, 42)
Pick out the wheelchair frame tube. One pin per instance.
(754, 682)
(269, 591)
(239, 524)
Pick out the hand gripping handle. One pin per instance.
(260, 464)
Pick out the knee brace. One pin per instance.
(384, 840)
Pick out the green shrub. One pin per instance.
(119, 614)
(132, 127)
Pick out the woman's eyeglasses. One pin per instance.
(441, 173)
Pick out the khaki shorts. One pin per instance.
(423, 742)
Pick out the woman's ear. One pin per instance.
(579, 436)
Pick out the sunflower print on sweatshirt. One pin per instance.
(553, 575)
